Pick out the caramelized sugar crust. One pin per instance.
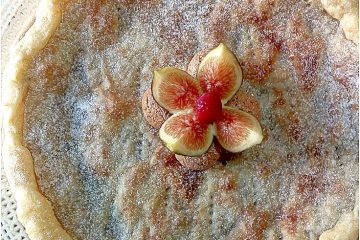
(94, 154)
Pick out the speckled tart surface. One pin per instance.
(78, 119)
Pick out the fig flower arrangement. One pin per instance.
(199, 110)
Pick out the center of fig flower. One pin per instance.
(208, 108)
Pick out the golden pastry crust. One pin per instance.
(347, 12)
(280, 71)
(33, 209)
(347, 227)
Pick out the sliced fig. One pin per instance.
(174, 89)
(237, 130)
(183, 134)
(202, 162)
(220, 73)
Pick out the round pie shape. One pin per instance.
(81, 159)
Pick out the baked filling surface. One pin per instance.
(99, 162)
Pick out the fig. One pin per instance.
(174, 89)
(237, 130)
(198, 109)
(184, 134)
(220, 73)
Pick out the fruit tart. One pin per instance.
(129, 119)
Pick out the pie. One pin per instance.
(83, 162)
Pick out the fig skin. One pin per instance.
(202, 162)
(154, 114)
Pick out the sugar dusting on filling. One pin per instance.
(92, 147)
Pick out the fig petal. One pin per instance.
(174, 89)
(220, 73)
(183, 134)
(238, 130)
